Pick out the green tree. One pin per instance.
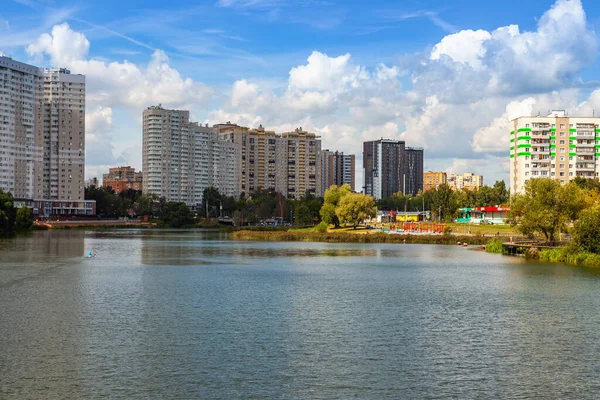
(444, 201)
(7, 212)
(302, 214)
(211, 201)
(331, 201)
(501, 195)
(177, 214)
(24, 219)
(586, 183)
(355, 208)
(586, 230)
(546, 207)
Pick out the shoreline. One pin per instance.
(334, 237)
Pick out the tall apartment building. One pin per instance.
(42, 136)
(555, 146)
(432, 180)
(123, 178)
(166, 153)
(468, 180)
(301, 157)
(181, 158)
(336, 168)
(63, 141)
(287, 163)
(389, 167)
(414, 170)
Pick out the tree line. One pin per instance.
(13, 219)
(548, 209)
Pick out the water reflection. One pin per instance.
(288, 320)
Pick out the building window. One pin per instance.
(561, 142)
(562, 134)
(562, 174)
(562, 126)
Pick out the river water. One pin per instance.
(189, 314)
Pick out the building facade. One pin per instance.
(468, 181)
(414, 170)
(390, 167)
(181, 158)
(336, 168)
(555, 146)
(42, 133)
(299, 154)
(123, 178)
(432, 180)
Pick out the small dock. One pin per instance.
(521, 247)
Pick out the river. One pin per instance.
(191, 314)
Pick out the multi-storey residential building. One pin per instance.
(414, 170)
(301, 157)
(122, 178)
(432, 180)
(555, 146)
(336, 168)
(21, 89)
(389, 167)
(42, 136)
(287, 163)
(62, 174)
(468, 180)
(92, 182)
(166, 153)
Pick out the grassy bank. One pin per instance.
(334, 237)
(494, 246)
(568, 256)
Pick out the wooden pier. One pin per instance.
(521, 247)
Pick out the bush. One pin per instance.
(322, 227)
(494, 246)
(586, 231)
(24, 219)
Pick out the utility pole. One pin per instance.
(206, 209)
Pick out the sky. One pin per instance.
(445, 76)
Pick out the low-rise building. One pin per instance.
(122, 178)
(468, 180)
(432, 180)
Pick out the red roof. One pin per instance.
(493, 209)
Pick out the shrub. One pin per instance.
(322, 227)
(494, 246)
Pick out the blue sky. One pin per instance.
(443, 75)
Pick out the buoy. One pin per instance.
(465, 244)
(458, 243)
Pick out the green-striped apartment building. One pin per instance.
(555, 146)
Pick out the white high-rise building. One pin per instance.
(555, 146)
(42, 133)
(181, 158)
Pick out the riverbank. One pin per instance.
(333, 237)
(561, 254)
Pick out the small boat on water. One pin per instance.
(90, 255)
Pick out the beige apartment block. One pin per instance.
(64, 138)
(432, 180)
(300, 156)
(554, 146)
(468, 180)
